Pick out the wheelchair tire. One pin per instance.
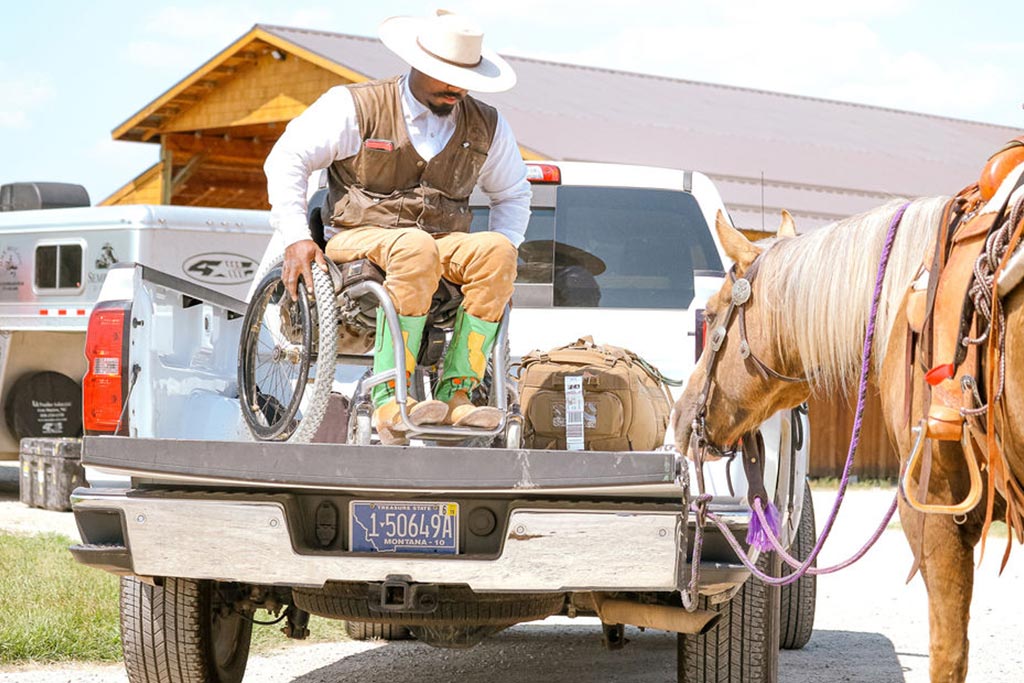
(283, 359)
(514, 434)
(362, 433)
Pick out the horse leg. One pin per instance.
(946, 563)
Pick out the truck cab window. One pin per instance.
(58, 266)
(615, 247)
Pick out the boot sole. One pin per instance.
(481, 417)
(389, 437)
(424, 413)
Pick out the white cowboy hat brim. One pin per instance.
(492, 74)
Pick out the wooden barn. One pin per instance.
(820, 159)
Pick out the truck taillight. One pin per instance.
(541, 174)
(700, 333)
(105, 384)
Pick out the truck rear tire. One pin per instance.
(739, 649)
(797, 600)
(181, 632)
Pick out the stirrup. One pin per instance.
(973, 496)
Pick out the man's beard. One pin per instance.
(443, 109)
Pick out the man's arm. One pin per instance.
(327, 131)
(503, 180)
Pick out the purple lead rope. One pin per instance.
(802, 568)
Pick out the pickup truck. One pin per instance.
(214, 526)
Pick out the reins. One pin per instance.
(699, 507)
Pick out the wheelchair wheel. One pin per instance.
(484, 394)
(514, 433)
(362, 431)
(285, 366)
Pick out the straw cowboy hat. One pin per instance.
(448, 47)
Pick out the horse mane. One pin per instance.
(817, 288)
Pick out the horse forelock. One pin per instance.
(816, 288)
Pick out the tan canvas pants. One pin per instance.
(483, 264)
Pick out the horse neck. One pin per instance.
(818, 287)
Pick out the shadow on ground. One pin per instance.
(543, 653)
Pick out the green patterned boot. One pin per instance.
(386, 416)
(465, 362)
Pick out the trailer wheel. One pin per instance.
(740, 647)
(44, 404)
(285, 366)
(181, 632)
(797, 600)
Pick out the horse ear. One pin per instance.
(788, 227)
(737, 247)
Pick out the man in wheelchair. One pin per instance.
(402, 157)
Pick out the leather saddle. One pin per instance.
(940, 314)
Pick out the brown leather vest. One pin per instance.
(388, 184)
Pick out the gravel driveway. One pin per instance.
(870, 628)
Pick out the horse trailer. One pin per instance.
(55, 252)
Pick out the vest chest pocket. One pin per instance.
(474, 156)
(457, 173)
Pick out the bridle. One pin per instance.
(741, 293)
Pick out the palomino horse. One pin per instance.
(806, 319)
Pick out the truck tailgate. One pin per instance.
(409, 468)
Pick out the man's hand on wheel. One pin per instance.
(297, 259)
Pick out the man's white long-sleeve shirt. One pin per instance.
(328, 131)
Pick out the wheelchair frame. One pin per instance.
(324, 308)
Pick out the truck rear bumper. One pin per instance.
(543, 549)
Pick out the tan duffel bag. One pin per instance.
(625, 401)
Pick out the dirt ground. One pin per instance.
(870, 628)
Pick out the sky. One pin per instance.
(72, 71)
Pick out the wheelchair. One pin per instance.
(289, 353)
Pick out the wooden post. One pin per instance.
(166, 172)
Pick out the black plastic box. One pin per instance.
(50, 470)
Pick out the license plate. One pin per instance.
(403, 527)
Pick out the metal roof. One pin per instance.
(820, 159)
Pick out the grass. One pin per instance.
(832, 483)
(55, 609)
(58, 610)
(269, 638)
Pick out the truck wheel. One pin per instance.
(280, 347)
(181, 632)
(364, 630)
(739, 648)
(797, 600)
